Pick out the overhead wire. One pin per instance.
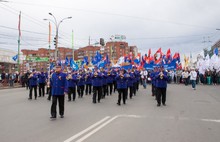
(117, 14)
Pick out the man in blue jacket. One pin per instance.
(153, 82)
(161, 84)
(121, 86)
(130, 83)
(71, 85)
(88, 82)
(109, 82)
(80, 83)
(97, 85)
(58, 81)
(33, 84)
(42, 81)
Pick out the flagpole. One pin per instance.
(49, 42)
(19, 40)
(73, 44)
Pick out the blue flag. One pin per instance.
(216, 51)
(73, 65)
(137, 61)
(98, 56)
(15, 57)
(66, 61)
(51, 66)
(85, 60)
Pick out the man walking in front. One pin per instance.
(58, 81)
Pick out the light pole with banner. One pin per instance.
(57, 24)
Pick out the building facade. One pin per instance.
(88, 51)
(7, 64)
(43, 53)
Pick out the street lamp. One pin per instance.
(57, 24)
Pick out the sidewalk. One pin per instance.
(8, 87)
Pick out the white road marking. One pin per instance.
(126, 116)
(87, 129)
(97, 129)
(211, 120)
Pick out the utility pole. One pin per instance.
(73, 44)
(19, 40)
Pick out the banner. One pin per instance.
(170, 66)
(38, 59)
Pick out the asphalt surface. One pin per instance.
(190, 116)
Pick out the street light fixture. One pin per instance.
(57, 31)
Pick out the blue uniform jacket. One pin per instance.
(114, 74)
(104, 78)
(33, 80)
(81, 80)
(97, 81)
(121, 82)
(109, 78)
(89, 79)
(130, 80)
(161, 83)
(58, 82)
(138, 75)
(72, 82)
(153, 79)
(135, 77)
(42, 78)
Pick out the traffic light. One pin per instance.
(55, 41)
(102, 42)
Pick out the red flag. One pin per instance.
(19, 24)
(168, 53)
(149, 52)
(159, 50)
(176, 55)
(49, 39)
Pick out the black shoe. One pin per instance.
(48, 99)
(164, 104)
(53, 117)
(61, 116)
(94, 102)
(118, 104)
(39, 96)
(124, 103)
(158, 105)
(69, 100)
(29, 98)
(35, 98)
(98, 101)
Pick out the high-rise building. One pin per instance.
(88, 51)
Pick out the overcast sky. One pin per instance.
(182, 25)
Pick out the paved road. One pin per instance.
(190, 116)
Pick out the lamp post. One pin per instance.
(57, 24)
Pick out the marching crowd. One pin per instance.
(96, 82)
(103, 82)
